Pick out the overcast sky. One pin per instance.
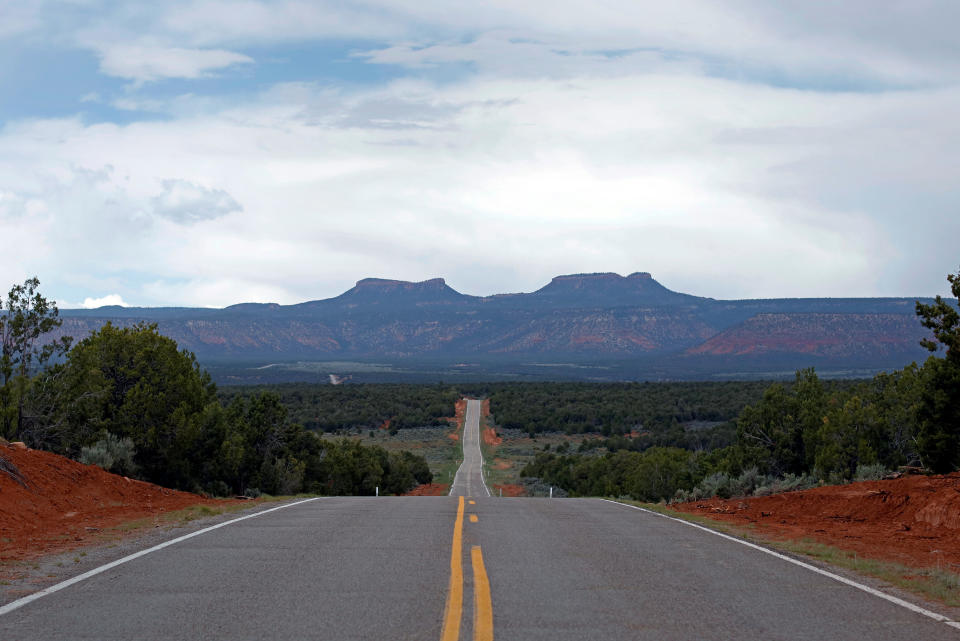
(206, 153)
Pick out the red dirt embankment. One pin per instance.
(914, 520)
(430, 489)
(64, 504)
(489, 433)
(509, 489)
(490, 437)
(459, 411)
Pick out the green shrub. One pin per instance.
(112, 453)
(873, 472)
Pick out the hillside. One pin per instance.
(597, 318)
(49, 503)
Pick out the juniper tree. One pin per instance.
(27, 319)
(938, 434)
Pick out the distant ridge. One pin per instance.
(610, 289)
(383, 290)
(595, 317)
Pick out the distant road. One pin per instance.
(469, 479)
(462, 567)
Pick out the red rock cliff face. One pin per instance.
(603, 316)
(818, 334)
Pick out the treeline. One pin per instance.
(129, 400)
(794, 435)
(632, 416)
(330, 408)
(617, 408)
(801, 434)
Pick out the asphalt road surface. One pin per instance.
(469, 478)
(462, 567)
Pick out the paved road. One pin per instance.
(462, 567)
(469, 478)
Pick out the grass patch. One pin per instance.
(130, 526)
(442, 453)
(932, 583)
(517, 448)
(178, 518)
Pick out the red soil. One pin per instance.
(484, 407)
(66, 504)
(914, 520)
(509, 489)
(490, 437)
(430, 489)
(460, 410)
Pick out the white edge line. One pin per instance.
(836, 577)
(479, 449)
(19, 603)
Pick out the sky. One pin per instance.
(206, 153)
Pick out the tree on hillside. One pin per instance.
(943, 318)
(133, 382)
(938, 433)
(27, 316)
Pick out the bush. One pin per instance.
(746, 483)
(112, 453)
(282, 476)
(217, 488)
(873, 472)
(717, 484)
(789, 483)
(538, 487)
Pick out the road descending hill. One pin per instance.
(462, 567)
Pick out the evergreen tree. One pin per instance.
(26, 317)
(938, 434)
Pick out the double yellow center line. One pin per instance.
(482, 603)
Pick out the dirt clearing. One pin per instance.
(913, 520)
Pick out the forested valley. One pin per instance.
(129, 400)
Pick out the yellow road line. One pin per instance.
(454, 609)
(482, 604)
(473, 518)
(472, 502)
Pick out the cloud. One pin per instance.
(848, 44)
(109, 299)
(185, 202)
(717, 188)
(727, 148)
(145, 63)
